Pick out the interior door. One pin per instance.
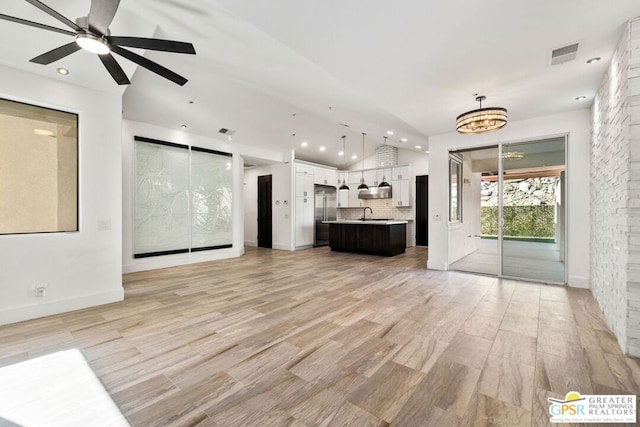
(533, 210)
(265, 220)
(422, 210)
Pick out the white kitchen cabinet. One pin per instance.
(354, 177)
(324, 176)
(343, 176)
(370, 177)
(343, 198)
(400, 173)
(401, 192)
(383, 175)
(304, 221)
(304, 184)
(354, 202)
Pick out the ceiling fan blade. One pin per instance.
(153, 44)
(35, 24)
(114, 69)
(56, 54)
(150, 65)
(46, 9)
(101, 14)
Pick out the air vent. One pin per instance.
(564, 54)
(227, 132)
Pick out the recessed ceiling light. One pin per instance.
(230, 138)
(304, 143)
(62, 71)
(419, 147)
(593, 60)
(580, 98)
(426, 152)
(341, 153)
(323, 148)
(183, 126)
(389, 132)
(403, 139)
(355, 156)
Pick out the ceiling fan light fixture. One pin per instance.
(481, 120)
(93, 44)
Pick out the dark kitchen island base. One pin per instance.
(373, 239)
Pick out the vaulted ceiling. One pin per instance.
(280, 72)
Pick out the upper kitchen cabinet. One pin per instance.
(400, 172)
(383, 175)
(401, 192)
(325, 176)
(304, 180)
(401, 186)
(370, 177)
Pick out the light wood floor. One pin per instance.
(319, 338)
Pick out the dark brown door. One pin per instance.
(422, 210)
(265, 222)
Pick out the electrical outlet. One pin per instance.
(41, 289)
(104, 225)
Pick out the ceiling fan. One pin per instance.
(92, 34)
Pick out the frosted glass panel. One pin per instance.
(211, 200)
(161, 209)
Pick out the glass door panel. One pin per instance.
(473, 224)
(533, 210)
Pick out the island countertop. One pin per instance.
(368, 221)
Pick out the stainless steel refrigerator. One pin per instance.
(325, 210)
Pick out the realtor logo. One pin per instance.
(576, 408)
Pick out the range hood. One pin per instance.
(375, 193)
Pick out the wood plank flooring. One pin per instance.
(314, 338)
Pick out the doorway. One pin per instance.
(422, 210)
(265, 221)
(513, 221)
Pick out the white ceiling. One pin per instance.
(272, 69)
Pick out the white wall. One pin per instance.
(131, 129)
(577, 125)
(282, 207)
(82, 268)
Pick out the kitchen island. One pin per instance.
(375, 237)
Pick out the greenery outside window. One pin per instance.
(38, 169)
(455, 189)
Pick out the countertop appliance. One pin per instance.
(325, 210)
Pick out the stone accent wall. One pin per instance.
(615, 192)
(386, 155)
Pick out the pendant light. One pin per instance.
(481, 120)
(344, 185)
(384, 183)
(362, 185)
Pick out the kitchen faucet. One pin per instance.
(364, 213)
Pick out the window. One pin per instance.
(38, 169)
(455, 189)
(183, 199)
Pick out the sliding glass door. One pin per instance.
(533, 210)
(512, 210)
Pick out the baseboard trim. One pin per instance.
(578, 282)
(281, 247)
(436, 266)
(48, 308)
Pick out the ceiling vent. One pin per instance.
(227, 132)
(564, 54)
